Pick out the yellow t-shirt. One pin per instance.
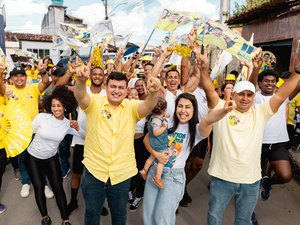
(109, 141)
(28, 97)
(32, 74)
(292, 107)
(237, 144)
(2, 102)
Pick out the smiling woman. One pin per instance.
(41, 158)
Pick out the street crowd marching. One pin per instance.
(140, 129)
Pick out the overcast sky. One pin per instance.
(128, 16)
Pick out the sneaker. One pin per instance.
(25, 190)
(65, 172)
(130, 197)
(48, 192)
(136, 203)
(253, 219)
(66, 223)
(266, 187)
(71, 207)
(158, 182)
(46, 221)
(2, 208)
(17, 174)
(104, 211)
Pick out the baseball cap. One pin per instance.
(18, 70)
(230, 77)
(59, 71)
(243, 85)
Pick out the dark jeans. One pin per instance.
(94, 193)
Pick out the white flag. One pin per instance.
(101, 32)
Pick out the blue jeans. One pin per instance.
(245, 199)
(159, 205)
(25, 179)
(94, 193)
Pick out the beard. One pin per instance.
(96, 85)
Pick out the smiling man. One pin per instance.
(109, 157)
(235, 160)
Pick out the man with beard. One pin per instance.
(97, 78)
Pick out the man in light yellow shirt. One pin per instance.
(235, 161)
(109, 158)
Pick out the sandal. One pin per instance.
(158, 182)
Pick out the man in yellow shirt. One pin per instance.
(109, 158)
(235, 161)
(27, 95)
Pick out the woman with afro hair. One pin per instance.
(50, 127)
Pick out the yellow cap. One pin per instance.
(279, 83)
(230, 77)
(146, 58)
(216, 84)
(110, 61)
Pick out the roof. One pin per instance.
(266, 10)
(10, 36)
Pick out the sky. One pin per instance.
(128, 16)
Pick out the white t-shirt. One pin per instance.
(202, 103)
(178, 146)
(81, 119)
(275, 130)
(170, 98)
(49, 132)
(237, 141)
(140, 125)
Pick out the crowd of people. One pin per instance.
(142, 137)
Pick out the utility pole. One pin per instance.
(105, 7)
(224, 10)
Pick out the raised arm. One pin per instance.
(157, 67)
(2, 85)
(80, 92)
(257, 62)
(284, 91)
(153, 87)
(45, 77)
(206, 83)
(213, 116)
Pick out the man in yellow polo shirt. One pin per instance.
(27, 95)
(109, 158)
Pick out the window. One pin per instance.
(40, 52)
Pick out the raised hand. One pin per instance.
(229, 105)
(202, 61)
(257, 60)
(153, 85)
(83, 72)
(42, 66)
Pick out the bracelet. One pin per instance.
(296, 70)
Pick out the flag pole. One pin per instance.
(147, 41)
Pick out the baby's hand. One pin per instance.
(165, 124)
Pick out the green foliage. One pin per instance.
(247, 6)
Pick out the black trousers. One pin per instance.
(3, 161)
(37, 170)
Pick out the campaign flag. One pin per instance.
(24, 53)
(224, 38)
(74, 36)
(57, 41)
(120, 41)
(169, 20)
(101, 32)
(223, 60)
(133, 48)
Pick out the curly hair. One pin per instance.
(268, 73)
(65, 96)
